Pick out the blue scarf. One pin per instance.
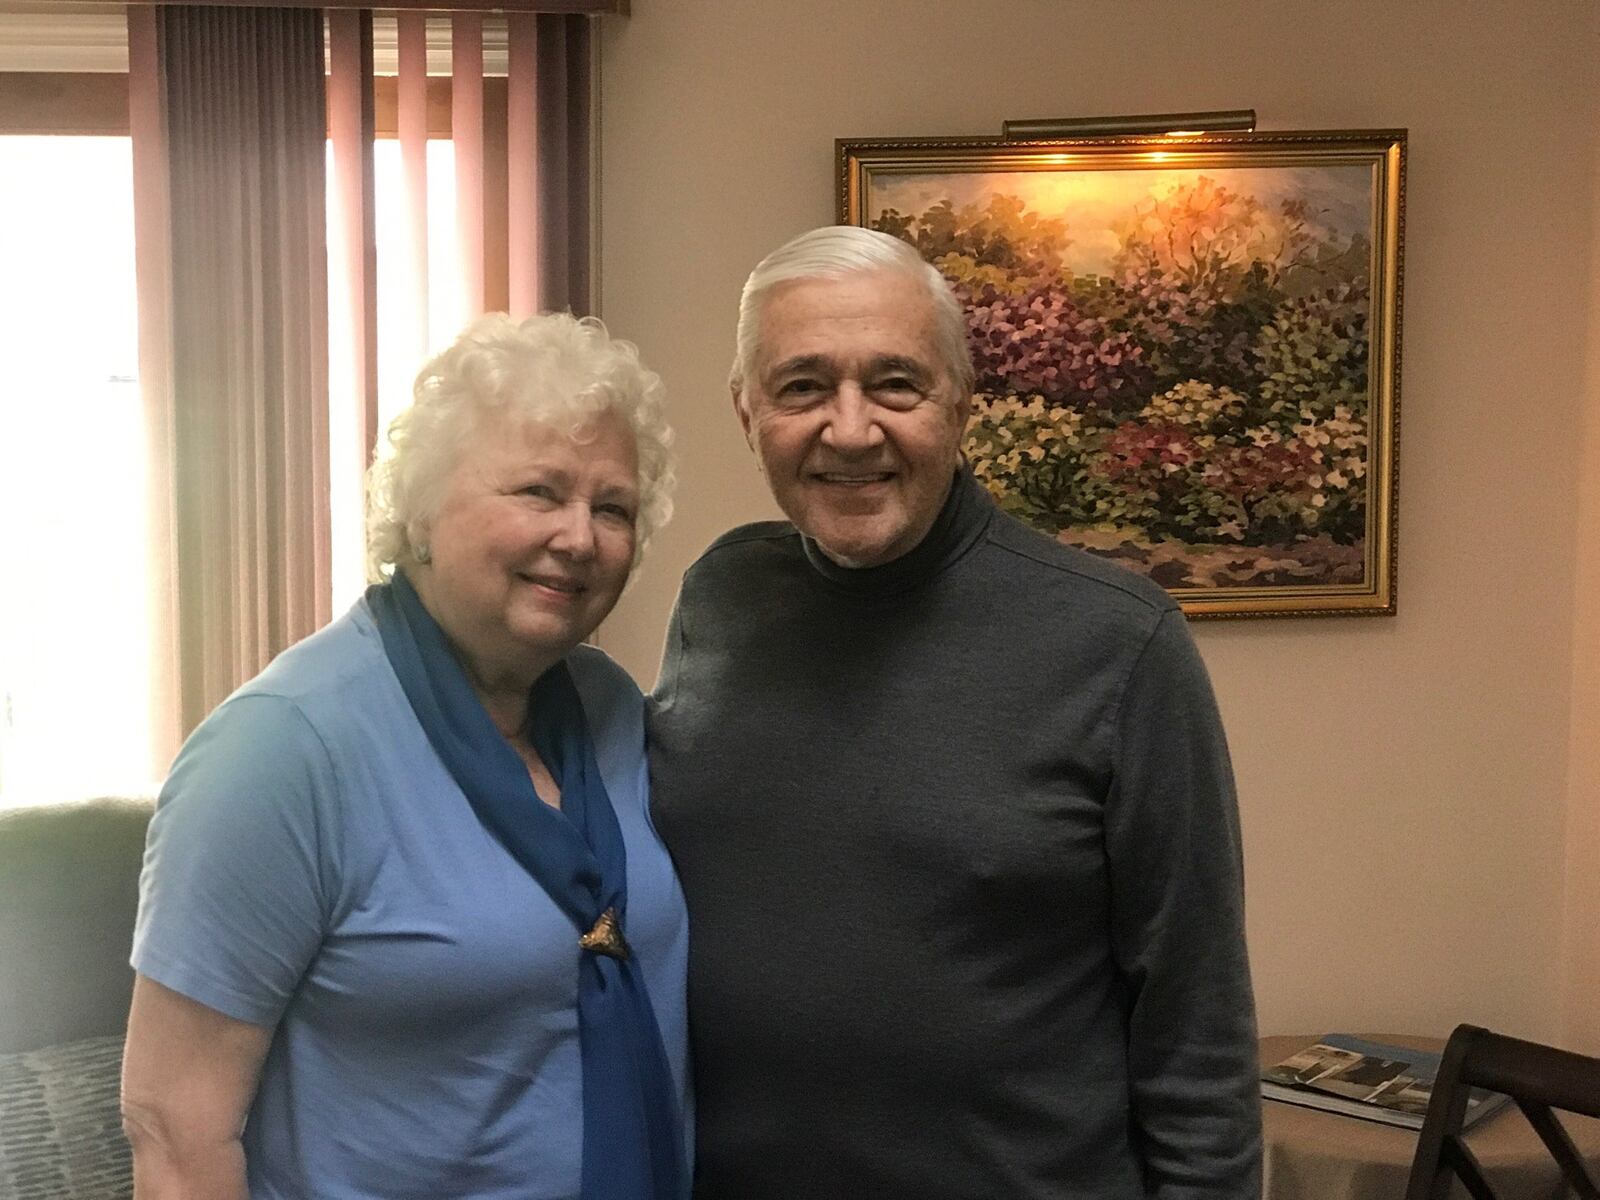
(632, 1132)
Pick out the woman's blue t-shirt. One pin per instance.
(313, 867)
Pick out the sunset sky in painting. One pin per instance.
(1340, 197)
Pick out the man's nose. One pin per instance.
(852, 423)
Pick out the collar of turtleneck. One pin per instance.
(966, 514)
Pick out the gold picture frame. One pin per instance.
(1188, 346)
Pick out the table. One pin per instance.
(1314, 1155)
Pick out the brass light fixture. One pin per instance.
(1145, 124)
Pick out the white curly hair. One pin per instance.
(554, 369)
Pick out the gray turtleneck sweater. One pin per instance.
(961, 851)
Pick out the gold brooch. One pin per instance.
(605, 937)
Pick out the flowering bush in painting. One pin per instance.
(1042, 342)
(1206, 394)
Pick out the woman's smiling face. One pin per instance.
(532, 542)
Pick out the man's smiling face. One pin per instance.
(851, 413)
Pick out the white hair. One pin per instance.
(554, 369)
(836, 250)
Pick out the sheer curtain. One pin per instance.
(255, 327)
(236, 381)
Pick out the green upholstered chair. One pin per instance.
(69, 888)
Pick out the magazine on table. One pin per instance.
(1370, 1080)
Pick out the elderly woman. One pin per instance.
(406, 929)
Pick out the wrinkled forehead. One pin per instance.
(855, 316)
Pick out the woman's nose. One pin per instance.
(575, 533)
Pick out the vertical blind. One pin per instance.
(259, 285)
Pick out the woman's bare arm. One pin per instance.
(188, 1077)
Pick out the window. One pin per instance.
(399, 353)
(74, 609)
(77, 714)
(74, 614)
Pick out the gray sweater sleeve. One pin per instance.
(1172, 839)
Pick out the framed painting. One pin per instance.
(1187, 347)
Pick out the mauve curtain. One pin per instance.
(228, 136)
(412, 119)
(522, 164)
(466, 133)
(547, 161)
(352, 277)
(230, 122)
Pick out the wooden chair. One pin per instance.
(1539, 1078)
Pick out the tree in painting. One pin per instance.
(1195, 404)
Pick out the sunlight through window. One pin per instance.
(74, 619)
(75, 640)
(399, 353)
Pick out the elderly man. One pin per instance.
(950, 802)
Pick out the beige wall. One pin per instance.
(1582, 928)
(1404, 782)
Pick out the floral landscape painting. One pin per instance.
(1185, 368)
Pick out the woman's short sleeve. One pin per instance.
(239, 870)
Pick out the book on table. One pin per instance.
(1370, 1080)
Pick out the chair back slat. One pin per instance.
(1527, 1070)
(1539, 1078)
(1464, 1163)
(1559, 1142)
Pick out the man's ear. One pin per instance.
(741, 406)
(961, 415)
